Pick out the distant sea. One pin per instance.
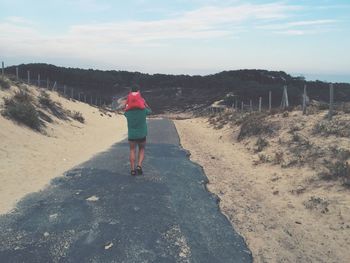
(327, 77)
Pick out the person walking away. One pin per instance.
(136, 111)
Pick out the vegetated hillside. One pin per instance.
(179, 92)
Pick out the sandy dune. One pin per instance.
(29, 160)
(283, 215)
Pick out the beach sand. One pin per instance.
(29, 159)
(283, 214)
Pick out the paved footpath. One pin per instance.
(97, 212)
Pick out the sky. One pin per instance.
(309, 38)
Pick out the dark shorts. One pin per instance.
(138, 140)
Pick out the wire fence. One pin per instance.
(258, 105)
(45, 82)
(237, 104)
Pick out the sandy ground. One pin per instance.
(29, 159)
(285, 215)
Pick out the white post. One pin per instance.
(54, 86)
(251, 105)
(331, 100)
(270, 101)
(286, 96)
(242, 106)
(285, 103)
(260, 101)
(79, 95)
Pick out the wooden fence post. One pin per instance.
(260, 101)
(286, 96)
(242, 106)
(38, 80)
(304, 101)
(28, 77)
(331, 101)
(270, 101)
(285, 102)
(17, 73)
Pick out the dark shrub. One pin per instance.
(4, 83)
(255, 124)
(55, 108)
(21, 109)
(334, 127)
(78, 116)
(45, 100)
(45, 117)
(261, 143)
(22, 96)
(337, 170)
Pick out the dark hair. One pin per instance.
(135, 88)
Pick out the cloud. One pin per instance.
(304, 27)
(295, 32)
(332, 6)
(306, 23)
(311, 23)
(18, 20)
(115, 39)
(203, 23)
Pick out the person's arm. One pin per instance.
(126, 102)
(148, 111)
(147, 106)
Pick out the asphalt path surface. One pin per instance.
(97, 212)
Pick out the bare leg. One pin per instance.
(141, 154)
(132, 154)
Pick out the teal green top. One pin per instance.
(137, 125)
